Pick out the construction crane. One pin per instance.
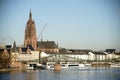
(42, 31)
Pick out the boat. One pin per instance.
(50, 66)
(69, 65)
(29, 67)
(63, 65)
(87, 65)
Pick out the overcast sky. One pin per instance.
(77, 24)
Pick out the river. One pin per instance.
(66, 74)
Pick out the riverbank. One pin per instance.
(10, 70)
(101, 65)
(93, 65)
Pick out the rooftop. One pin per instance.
(47, 44)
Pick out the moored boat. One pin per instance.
(69, 65)
(50, 66)
(29, 67)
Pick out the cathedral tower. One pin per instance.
(30, 33)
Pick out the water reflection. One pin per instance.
(30, 75)
(76, 74)
(4, 76)
(17, 75)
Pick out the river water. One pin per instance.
(66, 74)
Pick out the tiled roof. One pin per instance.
(80, 50)
(8, 46)
(46, 44)
(30, 47)
(1, 50)
(99, 53)
(24, 49)
(110, 50)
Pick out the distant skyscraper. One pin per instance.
(30, 33)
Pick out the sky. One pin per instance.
(76, 24)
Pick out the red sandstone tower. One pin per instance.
(30, 33)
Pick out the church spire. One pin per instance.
(30, 15)
(30, 33)
(14, 46)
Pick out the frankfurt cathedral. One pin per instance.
(30, 39)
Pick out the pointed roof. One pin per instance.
(14, 46)
(30, 18)
(30, 15)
